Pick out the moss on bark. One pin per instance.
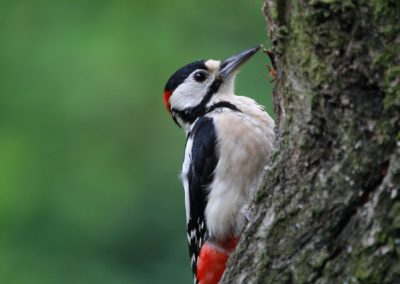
(329, 208)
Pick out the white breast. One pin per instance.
(245, 141)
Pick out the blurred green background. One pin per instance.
(89, 157)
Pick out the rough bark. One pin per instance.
(329, 210)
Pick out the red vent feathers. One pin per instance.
(212, 261)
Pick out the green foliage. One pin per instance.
(89, 188)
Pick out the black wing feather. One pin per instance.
(203, 162)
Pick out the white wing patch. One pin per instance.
(185, 170)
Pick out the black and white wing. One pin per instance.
(199, 165)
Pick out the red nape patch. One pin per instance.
(167, 95)
(212, 261)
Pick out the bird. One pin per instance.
(229, 139)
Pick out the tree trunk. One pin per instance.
(329, 210)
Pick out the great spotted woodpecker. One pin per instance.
(229, 139)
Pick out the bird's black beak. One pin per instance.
(230, 65)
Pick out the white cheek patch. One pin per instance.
(188, 94)
(213, 65)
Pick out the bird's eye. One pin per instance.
(200, 76)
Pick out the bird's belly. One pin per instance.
(243, 149)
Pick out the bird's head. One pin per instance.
(190, 89)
